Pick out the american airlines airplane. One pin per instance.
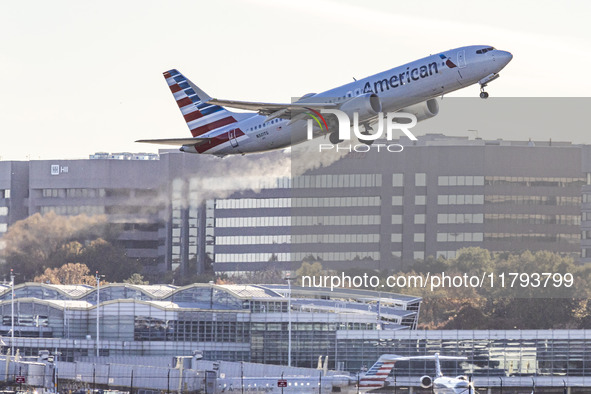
(411, 88)
(373, 379)
(440, 384)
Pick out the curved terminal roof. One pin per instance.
(326, 293)
(211, 296)
(250, 291)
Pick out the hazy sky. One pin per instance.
(85, 76)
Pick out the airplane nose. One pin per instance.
(504, 57)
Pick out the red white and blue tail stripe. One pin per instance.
(209, 122)
(201, 118)
(377, 374)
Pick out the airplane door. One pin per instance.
(232, 138)
(462, 58)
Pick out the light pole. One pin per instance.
(98, 301)
(12, 313)
(56, 355)
(288, 278)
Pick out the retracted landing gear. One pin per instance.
(366, 131)
(334, 138)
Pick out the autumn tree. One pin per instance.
(109, 259)
(309, 269)
(67, 274)
(503, 307)
(47, 241)
(136, 279)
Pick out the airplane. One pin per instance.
(442, 384)
(374, 378)
(411, 88)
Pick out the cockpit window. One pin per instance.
(480, 51)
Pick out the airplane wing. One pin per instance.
(272, 110)
(176, 141)
(269, 108)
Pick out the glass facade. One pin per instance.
(230, 322)
(489, 353)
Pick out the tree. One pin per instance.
(308, 269)
(508, 306)
(136, 279)
(47, 241)
(271, 275)
(67, 274)
(109, 259)
(39, 236)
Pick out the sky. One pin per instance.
(80, 77)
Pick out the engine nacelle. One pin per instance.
(367, 105)
(425, 110)
(426, 382)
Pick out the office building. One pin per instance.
(372, 210)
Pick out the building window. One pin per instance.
(446, 254)
(421, 179)
(419, 237)
(420, 218)
(418, 255)
(460, 237)
(397, 200)
(420, 200)
(397, 180)
(396, 237)
(460, 218)
(460, 199)
(396, 219)
(460, 180)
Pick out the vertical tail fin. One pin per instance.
(438, 373)
(201, 117)
(377, 374)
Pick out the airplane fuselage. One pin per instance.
(446, 385)
(397, 88)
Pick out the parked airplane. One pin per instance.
(374, 378)
(411, 88)
(440, 384)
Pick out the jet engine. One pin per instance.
(425, 110)
(367, 105)
(426, 382)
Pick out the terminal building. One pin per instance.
(225, 322)
(440, 194)
(251, 323)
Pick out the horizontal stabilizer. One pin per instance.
(176, 141)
